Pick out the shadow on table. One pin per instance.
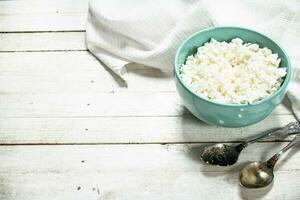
(287, 156)
(147, 71)
(287, 103)
(195, 131)
(5, 190)
(230, 174)
(141, 70)
(254, 193)
(117, 78)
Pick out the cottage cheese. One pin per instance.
(233, 72)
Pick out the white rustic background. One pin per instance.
(70, 129)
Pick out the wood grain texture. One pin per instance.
(72, 72)
(46, 41)
(41, 15)
(134, 172)
(95, 105)
(70, 129)
(116, 130)
(52, 84)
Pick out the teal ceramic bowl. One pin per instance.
(228, 115)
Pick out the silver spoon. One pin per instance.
(225, 155)
(260, 174)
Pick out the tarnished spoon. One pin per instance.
(260, 174)
(225, 155)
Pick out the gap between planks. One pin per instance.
(184, 129)
(137, 143)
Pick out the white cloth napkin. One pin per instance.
(149, 31)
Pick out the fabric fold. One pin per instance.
(149, 32)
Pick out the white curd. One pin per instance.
(233, 72)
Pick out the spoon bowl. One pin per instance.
(225, 155)
(221, 154)
(256, 175)
(260, 174)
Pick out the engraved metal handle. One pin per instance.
(272, 161)
(289, 129)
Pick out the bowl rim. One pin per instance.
(279, 90)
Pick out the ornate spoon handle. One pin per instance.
(272, 161)
(289, 129)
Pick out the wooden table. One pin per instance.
(70, 129)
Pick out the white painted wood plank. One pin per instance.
(104, 104)
(108, 171)
(47, 79)
(148, 185)
(134, 172)
(72, 72)
(126, 130)
(42, 41)
(40, 15)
